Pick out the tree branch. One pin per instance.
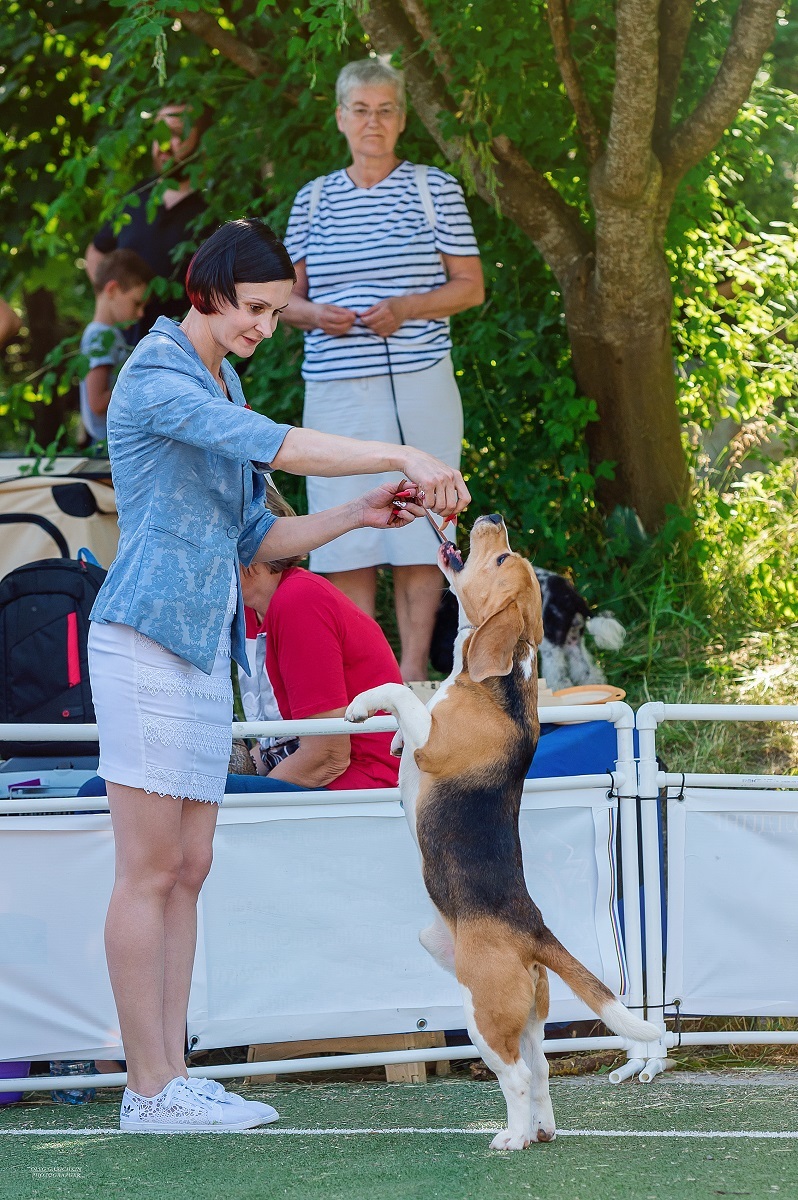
(693, 138)
(569, 72)
(204, 26)
(419, 17)
(526, 196)
(634, 99)
(675, 19)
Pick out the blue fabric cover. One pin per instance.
(235, 783)
(574, 750)
(562, 750)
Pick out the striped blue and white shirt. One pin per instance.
(366, 244)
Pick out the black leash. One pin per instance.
(440, 536)
(402, 441)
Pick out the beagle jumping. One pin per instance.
(461, 777)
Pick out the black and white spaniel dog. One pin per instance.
(564, 660)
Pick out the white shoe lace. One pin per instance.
(171, 1094)
(211, 1089)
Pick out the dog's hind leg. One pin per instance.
(497, 998)
(535, 1059)
(438, 941)
(412, 715)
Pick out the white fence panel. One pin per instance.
(56, 876)
(310, 919)
(731, 882)
(309, 923)
(732, 946)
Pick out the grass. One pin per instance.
(678, 666)
(395, 1166)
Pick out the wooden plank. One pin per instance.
(368, 1044)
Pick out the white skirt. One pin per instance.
(432, 419)
(164, 725)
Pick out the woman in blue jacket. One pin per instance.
(187, 458)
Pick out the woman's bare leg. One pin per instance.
(417, 594)
(360, 586)
(149, 856)
(180, 926)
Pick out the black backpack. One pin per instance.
(44, 662)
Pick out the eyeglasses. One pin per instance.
(361, 112)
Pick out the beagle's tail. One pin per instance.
(593, 992)
(608, 633)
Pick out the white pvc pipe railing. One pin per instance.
(47, 806)
(632, 778)
(345, 1062)
(615, 713)
(729, 1037)
(650, 715)
(298, 1066)
(671, 779)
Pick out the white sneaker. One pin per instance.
(179, 1109)
(213, 1090)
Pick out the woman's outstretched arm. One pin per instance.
(290, 536)
(308, 452)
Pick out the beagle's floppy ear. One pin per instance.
(533, 606)
(537, 615)
(489, 650)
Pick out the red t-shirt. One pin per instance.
(321, 651)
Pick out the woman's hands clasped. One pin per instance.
(382, 319)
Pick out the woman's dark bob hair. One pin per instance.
(245, 251)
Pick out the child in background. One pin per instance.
(120, 284)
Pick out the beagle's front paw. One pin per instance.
(398, 744)
(358, 710)
(511, 1141)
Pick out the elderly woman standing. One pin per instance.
(384, 254)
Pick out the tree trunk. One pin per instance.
(618, 307)
(627, 368)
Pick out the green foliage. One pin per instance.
(711, 610)
(78, 94)
(747, 547)
(736, 279)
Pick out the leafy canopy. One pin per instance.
(78, 94)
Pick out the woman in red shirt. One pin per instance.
(321, 651)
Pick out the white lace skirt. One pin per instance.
(164, 725)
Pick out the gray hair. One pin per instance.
(369, 72)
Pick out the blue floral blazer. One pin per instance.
(185, 463)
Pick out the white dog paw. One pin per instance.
(511, 1141)
(397, 745)
(543, 1122)
(357, 711)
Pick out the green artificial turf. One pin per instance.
(394, 1166)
